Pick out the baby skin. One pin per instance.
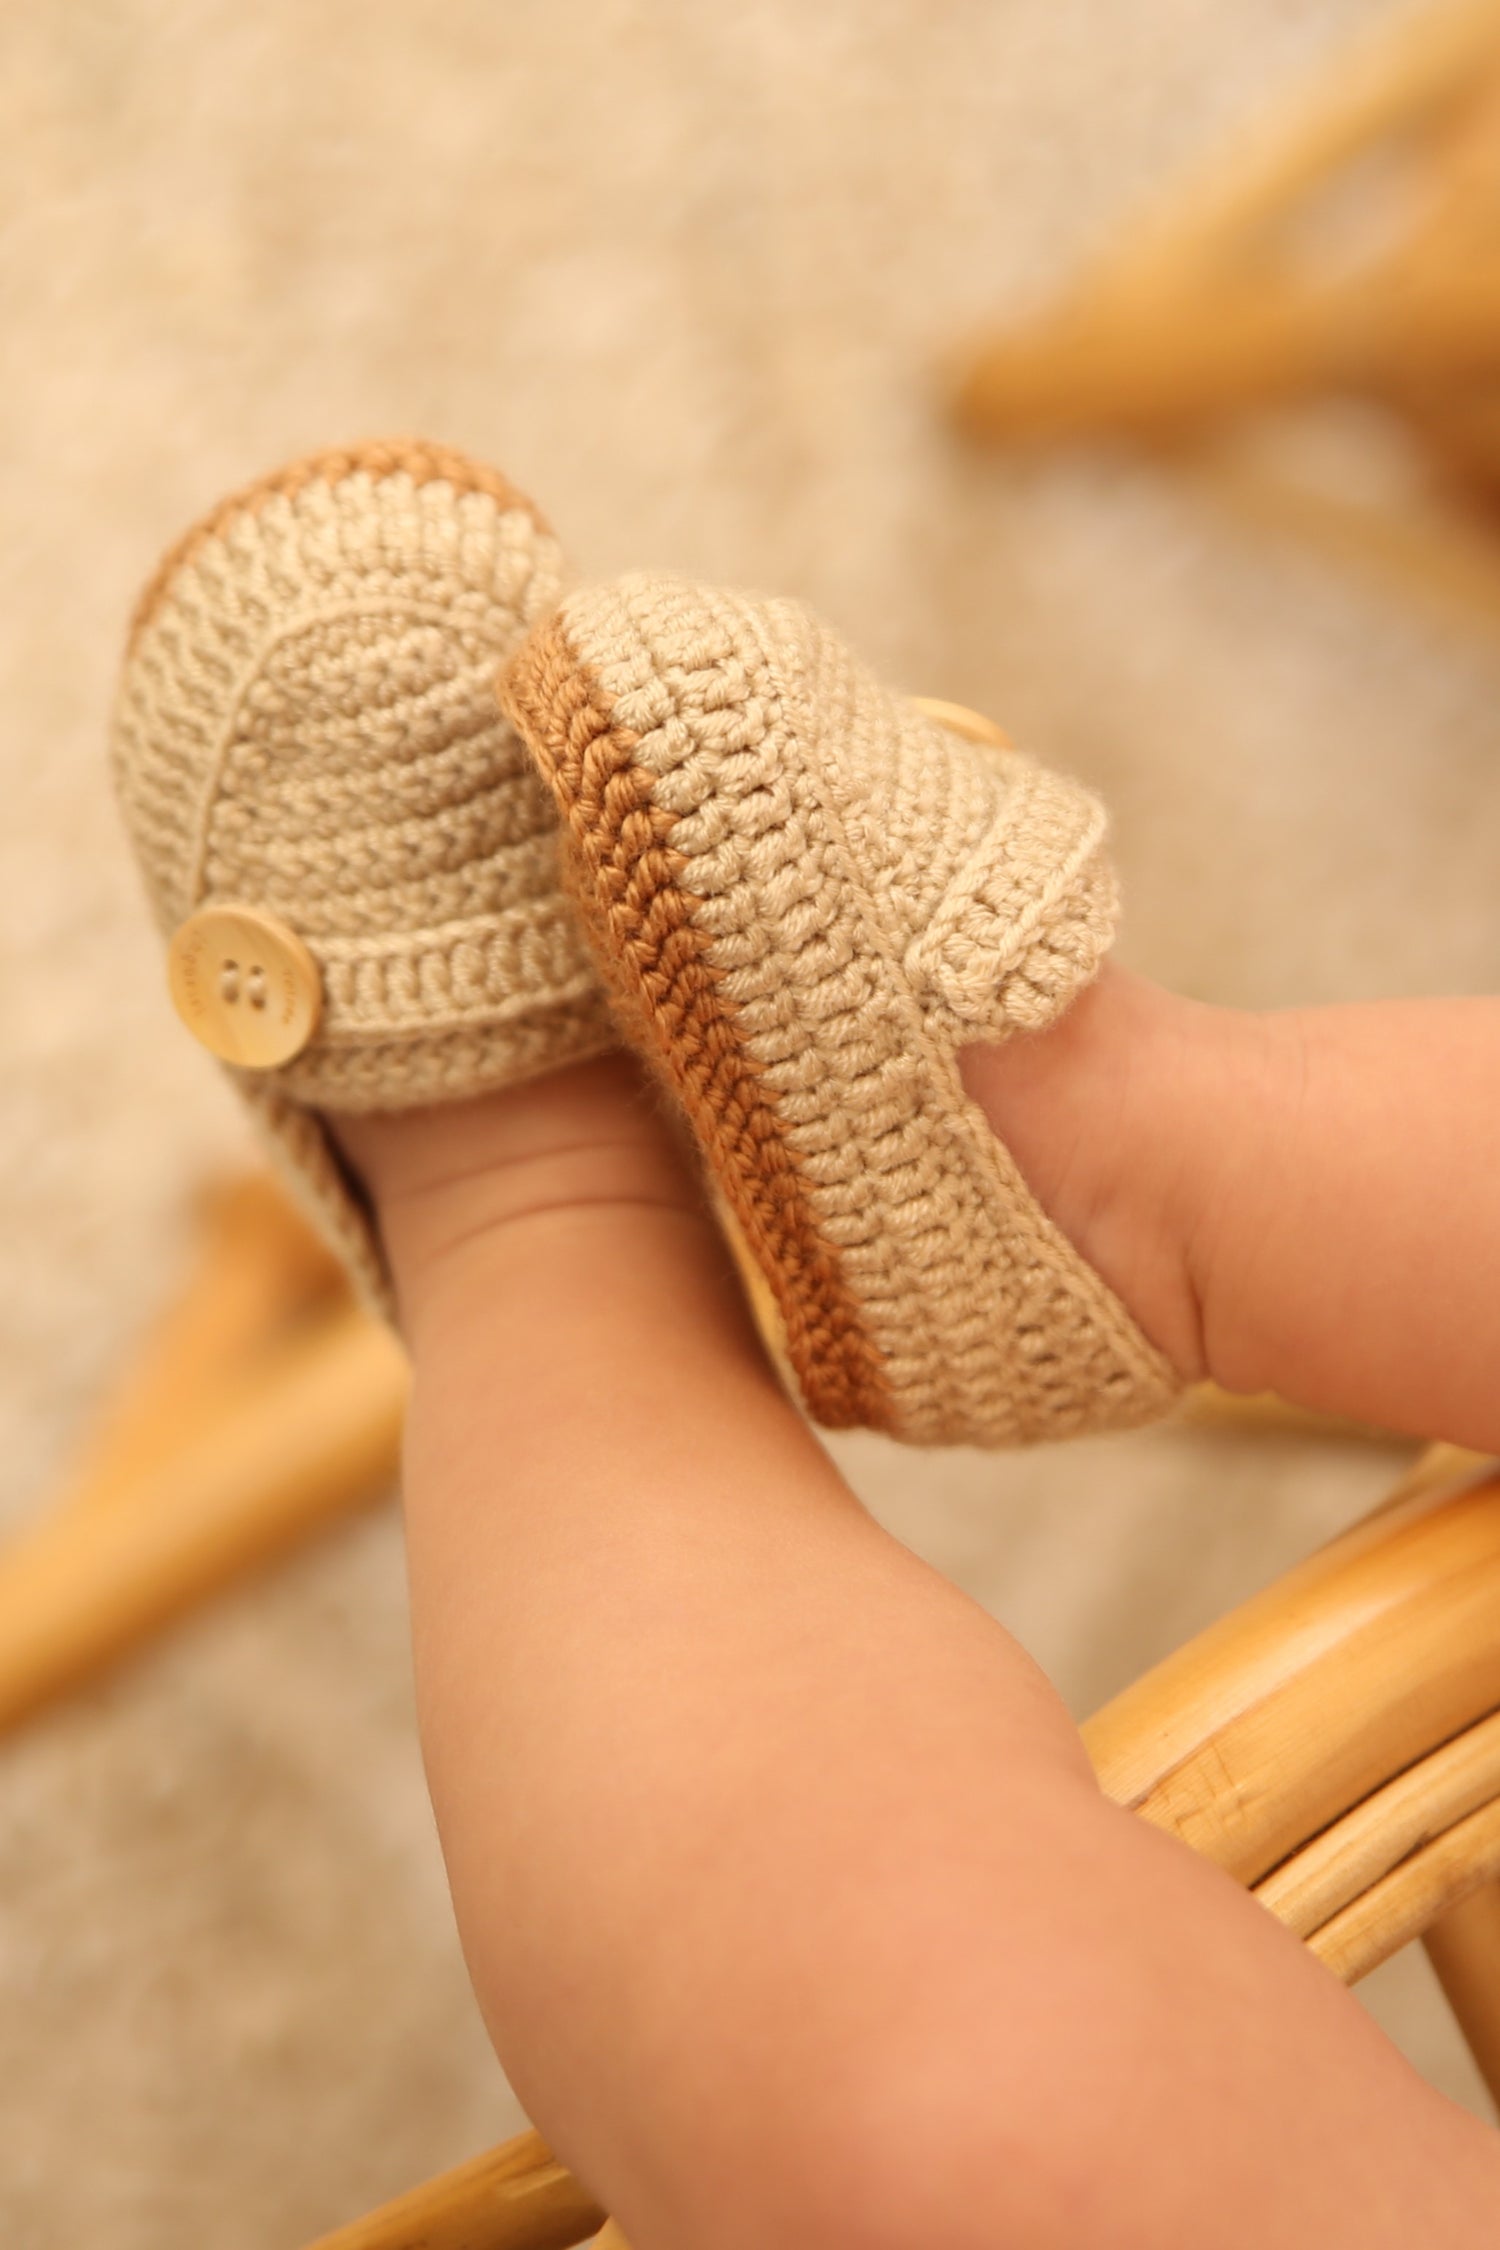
(793, 1908)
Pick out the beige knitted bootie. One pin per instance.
(343, 841)
(808, 896)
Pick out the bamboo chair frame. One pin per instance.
(1233, 301)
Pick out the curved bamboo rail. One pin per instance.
(1306, 1699)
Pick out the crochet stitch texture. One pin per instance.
(807, 898)
(306, 723)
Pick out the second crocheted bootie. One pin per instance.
(343, 841)
(807, 896)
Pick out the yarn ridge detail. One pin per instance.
(812, 896)
(306, 724)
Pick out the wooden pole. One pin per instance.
(314, 1435)
(517, 2197)
(259, 1270)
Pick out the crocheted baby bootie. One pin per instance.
(343, 841)
(808, 895)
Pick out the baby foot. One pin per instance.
(808, 897)
(342, 838)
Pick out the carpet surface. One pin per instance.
(685, 273)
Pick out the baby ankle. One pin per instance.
(1098, 1114)
(459, 1175)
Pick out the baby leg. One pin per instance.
(1305, 1201)
(793, 1908)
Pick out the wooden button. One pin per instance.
(959, 719)
(245, 985)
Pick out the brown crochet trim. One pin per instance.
(641, 922)
(423, 462)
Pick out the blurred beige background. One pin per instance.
(682, 270)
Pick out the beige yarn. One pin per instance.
(307, 724)
(811, 896)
